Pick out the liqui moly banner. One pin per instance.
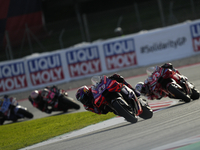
(151, 47)
(45, 69)
(12, 76)
(195, 33)
(120, 53)
(83, 61)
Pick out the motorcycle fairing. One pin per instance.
(5, 105)
(101, 87)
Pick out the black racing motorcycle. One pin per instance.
(55, 99)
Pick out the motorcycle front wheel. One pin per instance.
(147, 111)
(195, 94)
(178, 94)
(124, 110)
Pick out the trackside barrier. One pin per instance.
(131, 51)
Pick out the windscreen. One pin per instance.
(150, 70)
(95, 80)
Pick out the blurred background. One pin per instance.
(36, 26)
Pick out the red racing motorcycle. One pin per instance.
(120, 99)
(172, 84)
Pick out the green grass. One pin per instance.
(22, 134)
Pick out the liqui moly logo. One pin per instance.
(195, 32)
(120, 54)
(12, 76)
(45, 69)
(83, 61)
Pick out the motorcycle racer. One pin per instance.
(42, 99)
(10, 110)
(3, 110)
(85, 96)
(144, 87)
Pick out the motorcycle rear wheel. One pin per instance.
(68, 102)
(25, 113)
(178, 93)
(121, 107)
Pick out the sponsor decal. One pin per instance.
(120, 54)
(45, 69)
(163, 45)
(195, 32)
(12, 76)
(83, 61)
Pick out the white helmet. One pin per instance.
(139, 86)
(34, 94)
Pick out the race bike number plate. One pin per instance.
(5, 105)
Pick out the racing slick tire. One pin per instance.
(178, 94)
(124, 110)
(195, 94)
(25, 113)
(147, 112)
(69, 102)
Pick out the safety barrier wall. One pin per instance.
(135, 50)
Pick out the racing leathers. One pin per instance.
(4, 109)
(99, 110)
(45, 99)
(157, 94)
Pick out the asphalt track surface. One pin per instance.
(169, 125)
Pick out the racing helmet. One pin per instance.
(82, 94)
(34, 95)
(139, 87)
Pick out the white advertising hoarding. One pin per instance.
(119, 53)
(163, 44)
(83, 61)
(155, 46)
(13, 76)
(45, 69)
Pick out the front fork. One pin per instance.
(137, 106)
(187, 87)
(131, 99)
